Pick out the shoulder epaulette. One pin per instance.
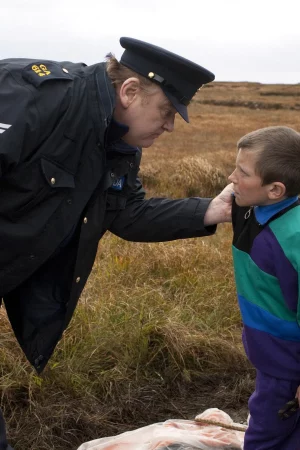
(38, 72)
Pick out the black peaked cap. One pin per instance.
(178, 77)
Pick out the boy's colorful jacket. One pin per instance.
(266, 256)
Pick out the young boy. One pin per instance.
(266, 255)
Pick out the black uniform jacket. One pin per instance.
(61, 188)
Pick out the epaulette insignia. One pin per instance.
(38, 72)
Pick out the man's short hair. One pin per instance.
(118, 73)
(278, 150)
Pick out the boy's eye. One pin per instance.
(242, 171)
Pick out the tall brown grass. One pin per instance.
(184, 177)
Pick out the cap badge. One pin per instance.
(151, 75)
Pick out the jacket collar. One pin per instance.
(106, 94)
(103, 98)
(264, 213)
(101, 95)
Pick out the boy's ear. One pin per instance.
(276, 191)
(128, 91)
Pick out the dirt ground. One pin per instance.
(197, 399)
(229, 394)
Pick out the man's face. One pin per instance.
(248, 187)
(147, 115)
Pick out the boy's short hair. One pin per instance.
(278, 155)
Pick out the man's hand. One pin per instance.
(219, 209)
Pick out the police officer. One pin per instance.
(70, 148)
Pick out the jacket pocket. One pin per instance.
(56, 176)
(31, 185)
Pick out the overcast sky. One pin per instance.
(255, 40)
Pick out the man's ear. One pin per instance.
(129, 91)
(276, 191)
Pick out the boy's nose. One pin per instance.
(232, 178)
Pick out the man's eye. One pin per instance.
(168, 113)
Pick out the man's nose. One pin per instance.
(169, 125)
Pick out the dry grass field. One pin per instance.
(157, 331)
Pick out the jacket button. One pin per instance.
(112, 175)
(77, 279)
(85, 220)
(38, 360)
(131, 165)
(69, 201)
(53, 181)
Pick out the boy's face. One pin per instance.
(248, 187)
